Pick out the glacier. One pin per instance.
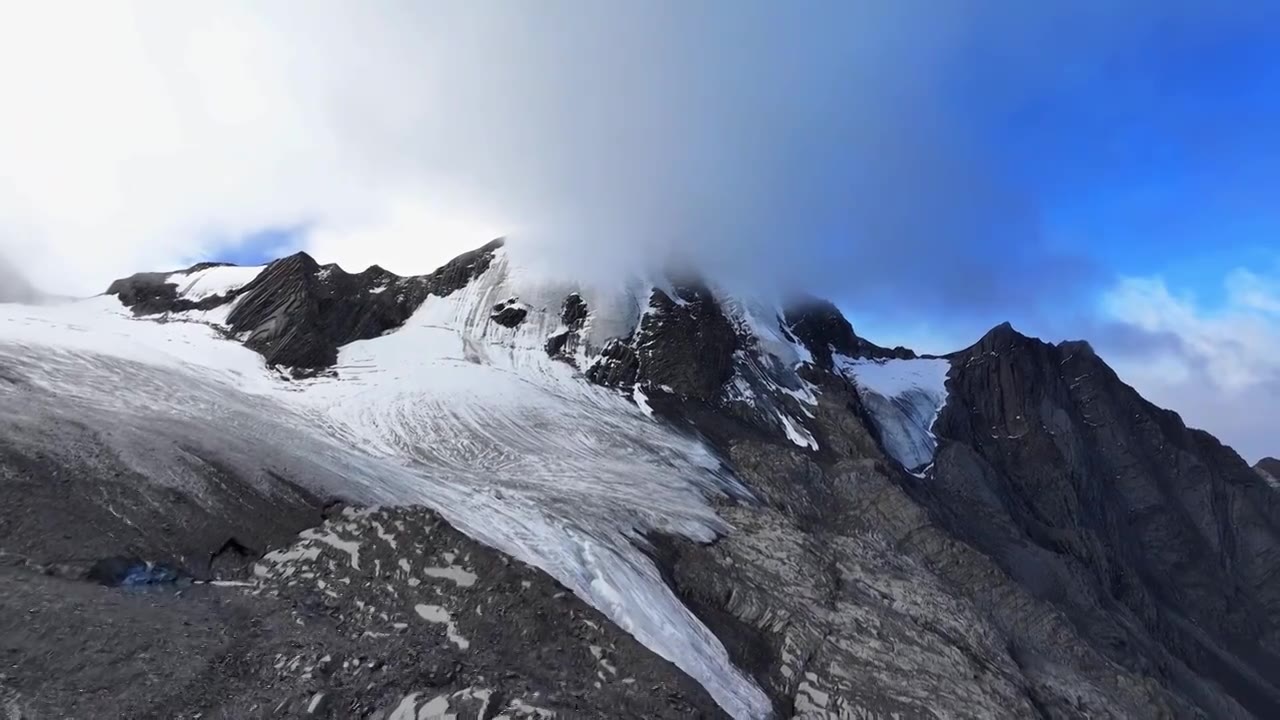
(451, 410)
(904, 397)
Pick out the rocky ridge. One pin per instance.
(1072, 551)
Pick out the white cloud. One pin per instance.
(1219, 366)
(817, 146)
(140, 136)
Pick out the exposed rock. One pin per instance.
(564, 344)
(824, 330)
(296, 313)
(149, 293)
(617, 366)
(574, 311)
(509, 313)
(686, 343)
(1155, 540)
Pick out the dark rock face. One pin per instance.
(824, 330)
(1086, 552)
(574, 312)
(1157, 542)
(148, 293)
(684, 346)
(509, 313)
(616, 367)
(686, 343)
(297, 314)
(565, 343)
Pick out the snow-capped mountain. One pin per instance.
(799, 521)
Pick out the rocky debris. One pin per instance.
(824, 330)
(509, 313)
(370, 614)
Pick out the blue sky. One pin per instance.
(1092, 169)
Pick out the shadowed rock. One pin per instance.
(824, 330)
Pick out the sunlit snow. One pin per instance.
(217, 280)
(452, 410)
(904, 398)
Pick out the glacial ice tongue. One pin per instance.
(904, 398)
(452, 411)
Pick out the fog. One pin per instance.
(839, 146)
(854, 150)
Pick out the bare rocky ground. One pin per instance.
(377, 614)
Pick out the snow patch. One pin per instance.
(904, 398)
(642, 401)
(460, 576)
(440, 616)
(212, 281)
(797, 433)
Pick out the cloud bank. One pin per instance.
(834, 145)
(1219, 366)
(855, 149)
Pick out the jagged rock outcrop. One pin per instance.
(509, 313)
(1158, 542)
(564, 343)
(296, 313)
(685, 343)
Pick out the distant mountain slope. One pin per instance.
(803, 522)
(1269, 468)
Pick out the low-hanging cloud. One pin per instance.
(852, 149)
(805, 143)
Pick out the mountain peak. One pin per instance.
(1269, 469)
(825, 331)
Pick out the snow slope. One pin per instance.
(904, 398)
(216, 280)
(452, 410)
